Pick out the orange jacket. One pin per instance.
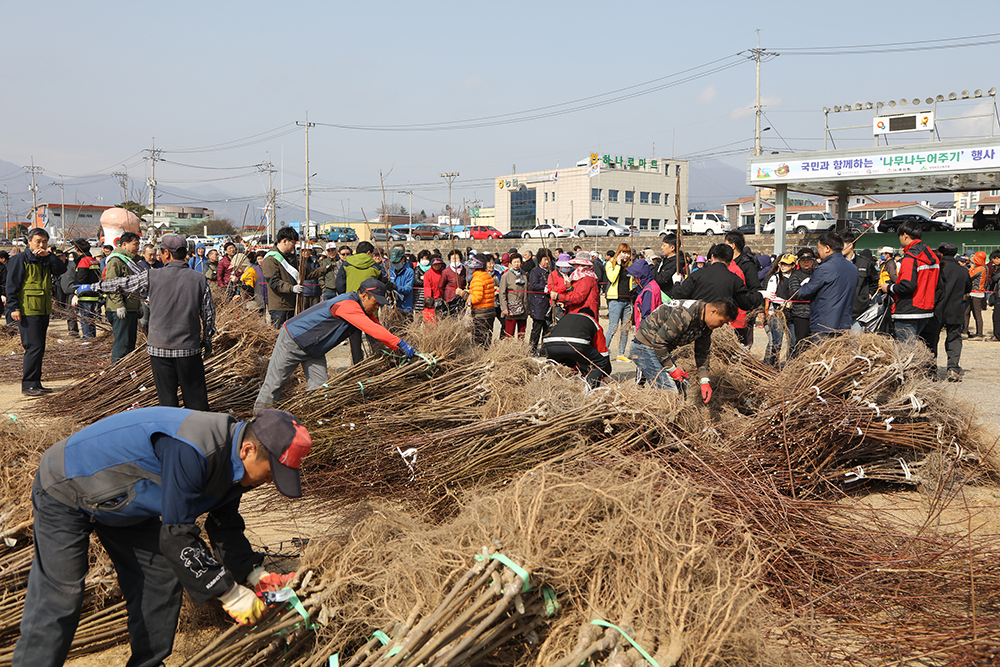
(980, 274)
(482, 291)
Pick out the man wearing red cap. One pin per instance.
(140, 480)
(306, 338)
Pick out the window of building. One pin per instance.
(613, 218)
(629, 196)
(553, 196)
(643, 224)
(654, 197)
(522, 208)
(643, 197)
(546, 196)
(678, 170)
(595, 194)
(628, 222)
(612, 195)
(654, 224)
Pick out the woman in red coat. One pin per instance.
(583, 291)
(432, 288)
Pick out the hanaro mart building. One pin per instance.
(941, 166)
(645, 192)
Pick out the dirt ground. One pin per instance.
(971, 509)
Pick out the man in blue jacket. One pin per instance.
(830, 288)
(140, 480)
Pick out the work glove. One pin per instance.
(121, 313)
(706, 390)
(406, 349)
(207, 344)
(264, 581)
(298, 289)
(75, 301)
(678, 278)
(678, 374)
(243, 605)
(80, 289)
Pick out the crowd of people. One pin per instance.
(797, 298)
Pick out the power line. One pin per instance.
(198, 166)
(269, 135)
(896, 47)
(553, 110)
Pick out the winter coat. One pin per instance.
(916, 283)
(354, 270)
(451, 281)
(952, 294)
(831, 289)
(867, 284)
(512, 295)
(538, 298)
(619, 281)
(799, 308)
(581, 294)
(715, 282)
(482, 291)
(979, 274)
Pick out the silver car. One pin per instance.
(599, 227)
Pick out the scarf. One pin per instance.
(582, 272)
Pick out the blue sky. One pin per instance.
(89, 84)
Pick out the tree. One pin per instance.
(391, 209)
(220, 226)
(136, 208)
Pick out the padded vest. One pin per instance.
(35, 293)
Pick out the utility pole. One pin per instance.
(757, 54)
(62, 207)
(409, 209)
(269, 168)
(6, 210)
(300, 300)
(34, 189)
(122, 178)
(450, 177)
(154, 157)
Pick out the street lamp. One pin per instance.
(409, 209)
(450, 177)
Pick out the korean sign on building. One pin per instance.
(876, 164)
(507, 183)
(625, 162)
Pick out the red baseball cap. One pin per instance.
(288, 441)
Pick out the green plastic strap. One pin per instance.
(362, 388)
(296, 604)
(518, 570)
(551, 604)
(334, 660)
(381, 636)
(605, 624)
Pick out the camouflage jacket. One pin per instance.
(674, 324)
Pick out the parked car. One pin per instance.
(706, 223)
(5, 242)
(985, 222)
(547, 231)
(599, 227)
(859, 225)
(342, 234)
(378, 235)
(748, 228)
(803, 223)
(429, 232)
(481, 232)
(462, 232)
(890, 225)
(514, 234)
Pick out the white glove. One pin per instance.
(121, 313)
(298, 289)
(75, 301)
(242, 604)
(678, 278)
(804, 282)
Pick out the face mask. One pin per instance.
(396, 265)
(566, 269)
(455, 265)
(425, 263)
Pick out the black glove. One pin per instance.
(207, 344)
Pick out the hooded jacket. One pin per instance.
(916, 283)
(650, 295)
(196, 262)
(979, 274)
(538, 298)
(482, 291)
(354, 270)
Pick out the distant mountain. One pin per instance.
(714, 182)
(103, 190)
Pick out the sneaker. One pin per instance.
(622, 357)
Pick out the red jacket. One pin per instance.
(432, 288)
(583, 293)
(916, 281)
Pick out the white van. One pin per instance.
(706, 223)
(803, 223)
(599, 227)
